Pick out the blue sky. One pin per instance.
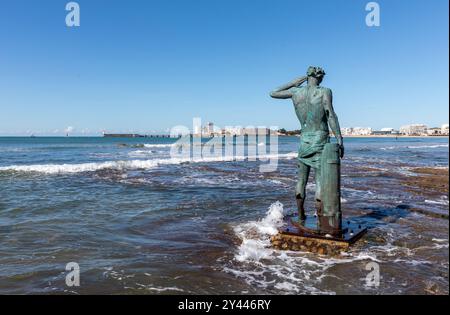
(149, 65)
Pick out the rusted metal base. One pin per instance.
(305, 236)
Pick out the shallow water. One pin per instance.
(138, 221)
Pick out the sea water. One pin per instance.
(137, 220)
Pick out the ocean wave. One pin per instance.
(141, 153)
(256, 247)
(432, 146)
(159, 289)
(439, 240)
(203, 144)
(212, 181)
(127, 280)
(275, 181)
(388, 148)
(159, 145)
(132, 164)
(439, 167)
(437, 202)
(428, 146)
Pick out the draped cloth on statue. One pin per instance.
(311, 147)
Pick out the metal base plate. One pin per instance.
(351, 231)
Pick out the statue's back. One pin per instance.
(309, 107)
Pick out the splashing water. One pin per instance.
(255, 235)
(260, 265)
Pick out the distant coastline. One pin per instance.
(378, 136)
(393, 136)
(168, 137)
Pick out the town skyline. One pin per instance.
(346, 131)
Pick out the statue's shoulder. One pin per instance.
(325, 90)
(297, 89)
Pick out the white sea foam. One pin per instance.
(440, 240)
(438, 202)
(141, 153)
(275, 181)
(131, 164)
(440, 167)
(428, 146)
(256, 246)
(159, 145)
(389, 148)
(159, 289)
(432, 146)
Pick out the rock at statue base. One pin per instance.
(307, 238)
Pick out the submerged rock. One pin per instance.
(298, 243)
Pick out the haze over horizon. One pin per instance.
(149, 66)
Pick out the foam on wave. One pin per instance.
(159, 145)
(129, 164)
(433, 146)
(428, 146)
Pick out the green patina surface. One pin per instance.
(314, 109)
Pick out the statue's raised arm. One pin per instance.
(284, 91)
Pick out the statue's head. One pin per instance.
(316, 72)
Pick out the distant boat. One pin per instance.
(33, 136)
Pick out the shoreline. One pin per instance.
(382, 136)
(394, 136)
(352, 136)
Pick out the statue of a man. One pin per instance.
(314, 109)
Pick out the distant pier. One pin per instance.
(133, 135)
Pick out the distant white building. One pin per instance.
(250, 131)
(363, 131)
(208, 130)
(356, 131)
(414, 130)
(434, 131)
(438, 131)
(232, 131)
(387, 130)
(346, 131)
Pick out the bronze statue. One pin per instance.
(314, 108)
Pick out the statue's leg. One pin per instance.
(300, 190)
(318, 195)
